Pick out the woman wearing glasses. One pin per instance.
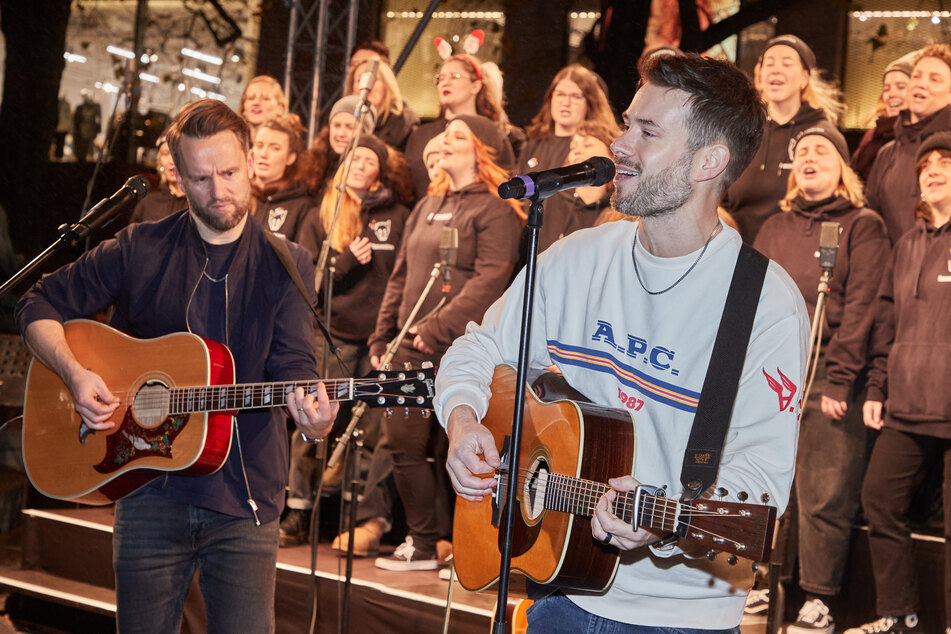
(462, 91)
(574, 96)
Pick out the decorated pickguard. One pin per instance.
(132, 442)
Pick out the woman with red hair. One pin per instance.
(463, 197)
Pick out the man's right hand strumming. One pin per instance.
(472, 453)
(91, 398)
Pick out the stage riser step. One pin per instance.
(68, 550)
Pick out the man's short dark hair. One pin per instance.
(376, 46)
(204, 118)
(724, 107)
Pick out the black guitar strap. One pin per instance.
(705, 446)
(284, 255)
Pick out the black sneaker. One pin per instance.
(814, 618)
(294, 528)
(407, 557)
(907, 624)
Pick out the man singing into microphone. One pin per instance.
(209, 271)
(628, 312)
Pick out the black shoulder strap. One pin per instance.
(704, 449)
(284, 255)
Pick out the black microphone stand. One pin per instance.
(784, 535)
(69, 234)
(510, 477)
(353, 436)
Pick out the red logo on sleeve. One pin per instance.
(784, 388)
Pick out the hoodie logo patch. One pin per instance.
(276, 218)
(946, 278)
(381, 229)
(784, 388)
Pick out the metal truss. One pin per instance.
(320, 39)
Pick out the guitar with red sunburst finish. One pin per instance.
(178, 399)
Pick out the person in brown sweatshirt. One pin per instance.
(892, 187)
(463, 197)
(908, 397)
(831, 452)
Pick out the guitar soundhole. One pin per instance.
(534, 488)
(150, 405)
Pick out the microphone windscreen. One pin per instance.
(139, 186)
(603, 169)
(829, 235)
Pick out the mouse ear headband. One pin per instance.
(470, 45)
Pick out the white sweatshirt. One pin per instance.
(621, 347)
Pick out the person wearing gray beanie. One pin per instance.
(891, 102)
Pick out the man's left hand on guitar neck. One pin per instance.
(314, 417)
(609, 529)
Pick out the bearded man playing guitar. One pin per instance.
(208, 271)
(628, 313)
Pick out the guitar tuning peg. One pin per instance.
(380, 400)
(426, 365)
(387, 412)
(407, 366)
(731, 560)
(742, 496)
(400, 400)
(721, 492)
(386, 367)
(755, 566)
(405, 411)
(711, 555)
(764, 498)
(425, 413)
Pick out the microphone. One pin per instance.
(828, 245)
(448, 244)
(107, 209)
(368, 78)
(828, 249)
(596, 171)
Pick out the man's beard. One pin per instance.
(658, 194)
(221, 223)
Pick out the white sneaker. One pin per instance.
(757, 605)
(889, 625)
(813, 618)
(405, 557)
(757, 602)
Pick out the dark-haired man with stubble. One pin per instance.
(209, 271)
(692, 127)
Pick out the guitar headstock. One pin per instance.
(397, 388)
(744, 530)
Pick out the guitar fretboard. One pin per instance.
(216, 398)
(580, 497)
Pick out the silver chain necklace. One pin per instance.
(679, 279)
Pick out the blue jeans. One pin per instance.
(158, 544)
(556, 614)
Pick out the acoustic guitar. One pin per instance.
(178, 399)
(569, 449)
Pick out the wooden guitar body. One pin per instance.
(64, 459)
(564, 437)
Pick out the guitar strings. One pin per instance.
(241, 391)
(590, 493)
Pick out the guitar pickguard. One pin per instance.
(133, 442)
